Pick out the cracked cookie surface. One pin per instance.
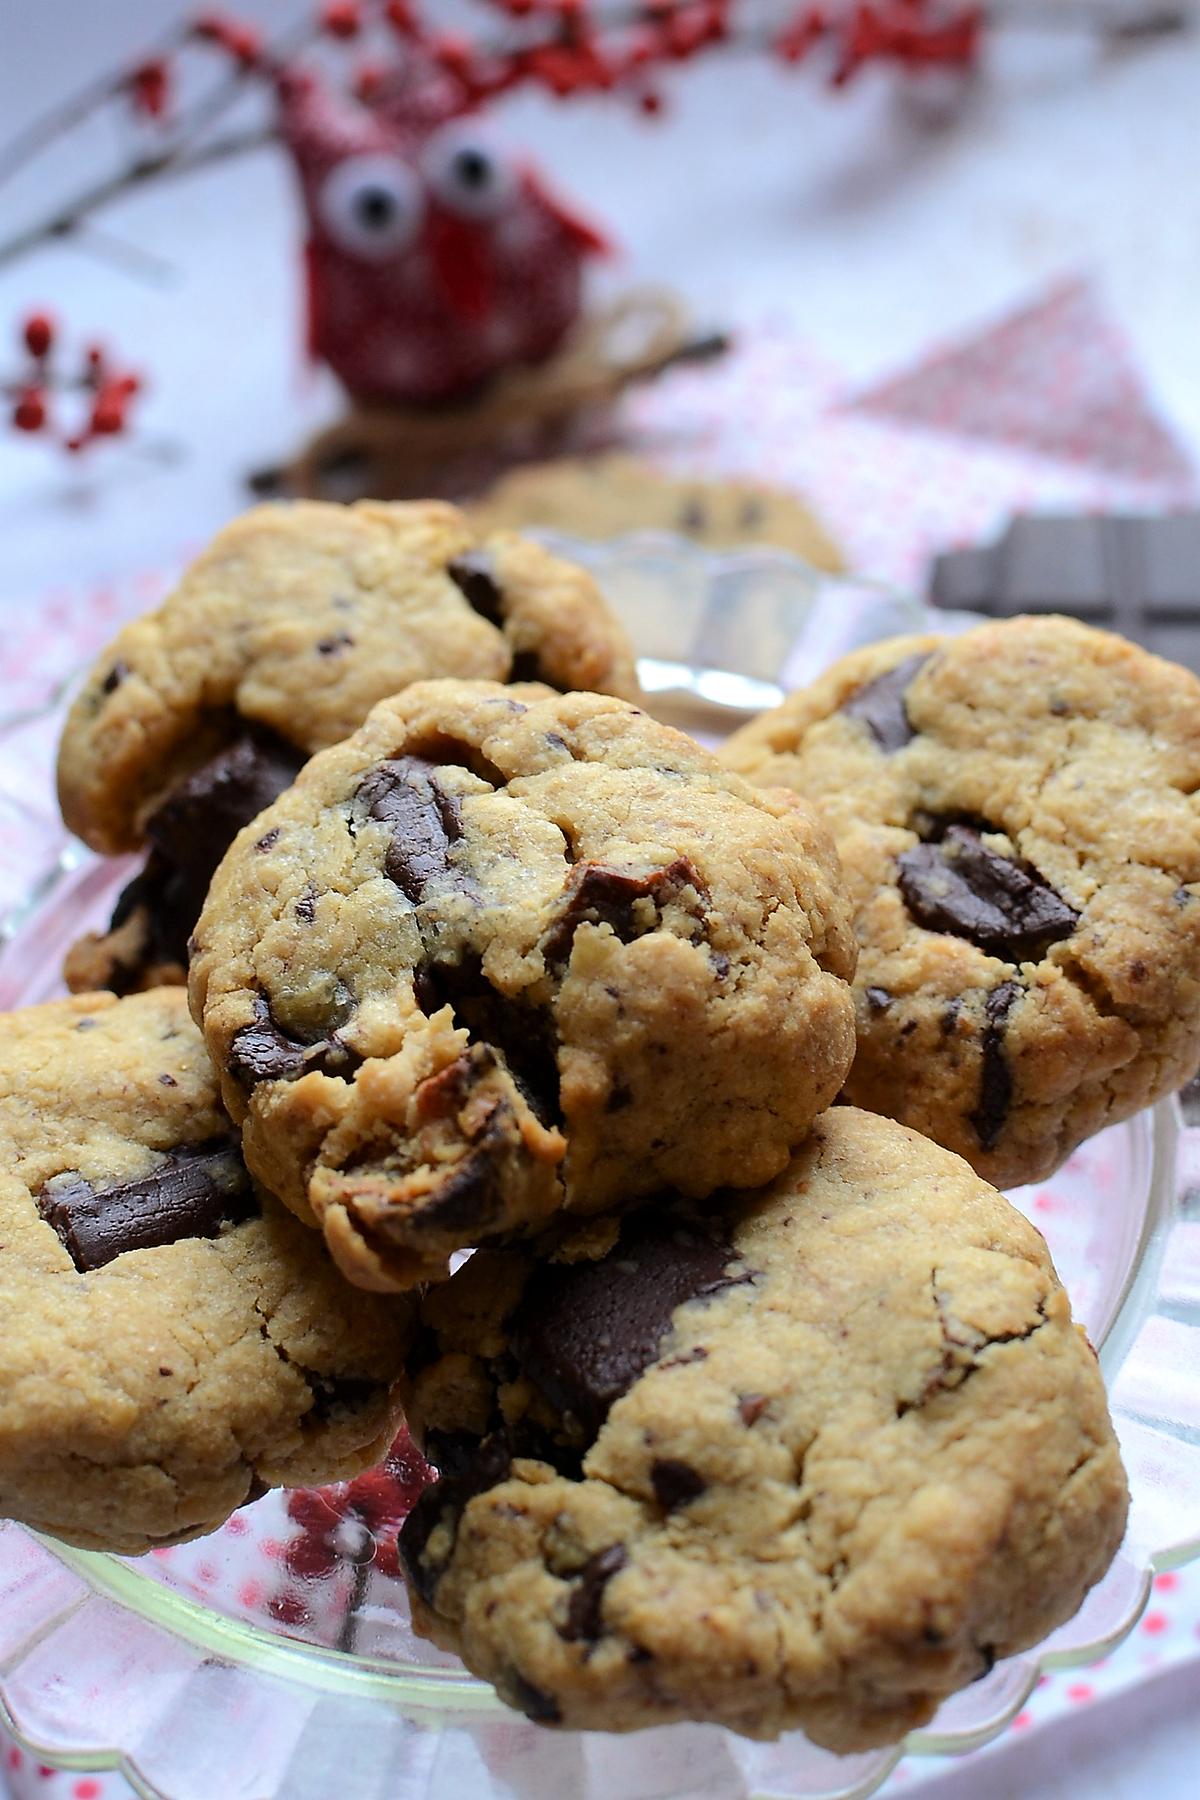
(490, 959)
(1017, 815)
(175, 1342)
(809, 1457)
(280, 638)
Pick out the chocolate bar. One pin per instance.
(1136, 574)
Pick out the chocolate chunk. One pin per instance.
(751, 1408)
(305, 908)
(189, 833)
(675, 1483)
(426, 822)
(880, 704)
(191, 1194)
(336, 1396)
(948, 1023)
(598, 894)
(585, 1331)
(262, 1052)
(527, 666)
(474, 573)
(443, 1503)
(521, 1035)
(995, 1075)
(1003, 906)
(692, 516)
(203, 813)
(329, 646)
(537, 1706)
(878, 999)
(116, 675)
(467, 1197)
(586, 1605)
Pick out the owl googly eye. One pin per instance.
(372, 206)
(468, 175)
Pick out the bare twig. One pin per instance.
(72, 111)
(182, 160)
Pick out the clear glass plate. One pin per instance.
(275, 1657)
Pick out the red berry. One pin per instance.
(242, 42)
(650, 102)
(342, 18)
(39, 334)
(29, 414)
(150, 88)
(399, 16)
(108, 417)
(453, 52)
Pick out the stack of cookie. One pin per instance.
(748, 1408)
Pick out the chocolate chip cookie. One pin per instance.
(811, 1457)
(491, 958)
(175, 1342)
(1016, 810)
(605, 496)
(277, 642)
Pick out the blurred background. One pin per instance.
(954, 251)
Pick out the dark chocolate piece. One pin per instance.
(426, 821)
(878, 999)
(116, 675)
(334, 1396)
(521, 1035)
(192, 1193)
(189, 833)
(598, 894)
(995, 1075)
(527, 666)
(961, 886)
(585, 1609)
(442, 1503)
(263, 1052)
(1139, 574)
(585, 1331)
(879, 704)
(541, 1708)
(341, 640)
(675, 1482)
(474, 573)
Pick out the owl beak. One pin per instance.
(462, 266)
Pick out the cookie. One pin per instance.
(1016, 811)
(277, 643)
(605, 496)
(813, 1457)
(492, 958)
(175, 1342)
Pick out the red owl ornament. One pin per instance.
(435, 261)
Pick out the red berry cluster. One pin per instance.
(108, 391)
(353, 1523)
(572, 47)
